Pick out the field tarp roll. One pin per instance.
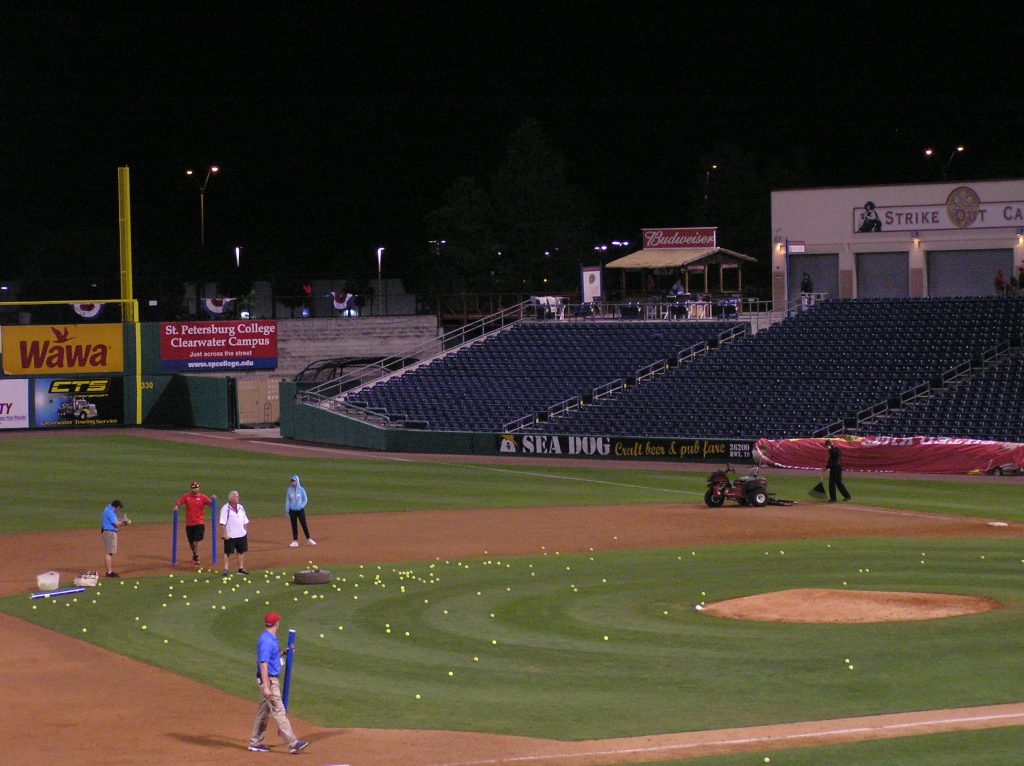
(916, 454)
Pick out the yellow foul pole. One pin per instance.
(129, 307)
(124, 216)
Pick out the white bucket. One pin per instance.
(48, 581)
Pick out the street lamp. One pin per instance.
(213, 169)
(380, 292)
(945, 166)
(707, 192)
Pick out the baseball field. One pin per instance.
(507, 611)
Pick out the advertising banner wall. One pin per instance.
(623, 448)
(204, 346)
(63, 349)
(79, 402)
(14, 403)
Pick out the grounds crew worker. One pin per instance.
(195, 520)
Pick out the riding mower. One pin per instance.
(745, 490)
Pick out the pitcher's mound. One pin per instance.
(843, 606)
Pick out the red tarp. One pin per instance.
(917, 454)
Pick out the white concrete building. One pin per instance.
(939, 239)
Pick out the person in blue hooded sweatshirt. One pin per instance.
(295, 506)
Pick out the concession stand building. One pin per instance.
(940, 239)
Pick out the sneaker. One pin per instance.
(115, 575)
(259, 749)
(299, 744)
(293, 544)
(243, 570)
(847, 499)
(195, 559)
(226, 573)
(311, 541)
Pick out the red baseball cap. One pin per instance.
(271, 619)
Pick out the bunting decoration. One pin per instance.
(87, 310)
(344, 303)
(217, 307)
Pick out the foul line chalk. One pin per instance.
(771, 739)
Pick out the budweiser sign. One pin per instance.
(677, 238)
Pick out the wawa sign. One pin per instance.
(48, 349)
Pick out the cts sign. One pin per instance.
(63, 349)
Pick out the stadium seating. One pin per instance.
(527, 368)
(819, 368)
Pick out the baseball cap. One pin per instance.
(271, 619)
(195, 485)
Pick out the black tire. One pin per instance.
(712, 500)
(997, 471)
(312, 577)
(759, 498)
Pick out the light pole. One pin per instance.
(929, 152)
(707, 192)
(213, 169)
(380, 292)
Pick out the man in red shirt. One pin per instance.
(195, 520)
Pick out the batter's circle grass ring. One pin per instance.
(312, 577)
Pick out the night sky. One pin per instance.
(339, 126)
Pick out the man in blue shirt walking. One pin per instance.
(268, 671)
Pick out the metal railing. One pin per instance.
(987, 357)
(425, 352)
(606, 389)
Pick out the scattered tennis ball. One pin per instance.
(84, 630)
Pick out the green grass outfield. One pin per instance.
(64, 483)
(518, 645)
(547, 646)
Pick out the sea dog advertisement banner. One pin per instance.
(233, 345)
(623, 448)
(78, 402)
(14, 403)
(63, 349)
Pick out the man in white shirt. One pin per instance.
(234, 522)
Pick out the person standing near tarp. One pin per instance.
(268, 673)
(295, 500)
(835, 472)
(195, 520)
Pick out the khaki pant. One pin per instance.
(272, 707)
